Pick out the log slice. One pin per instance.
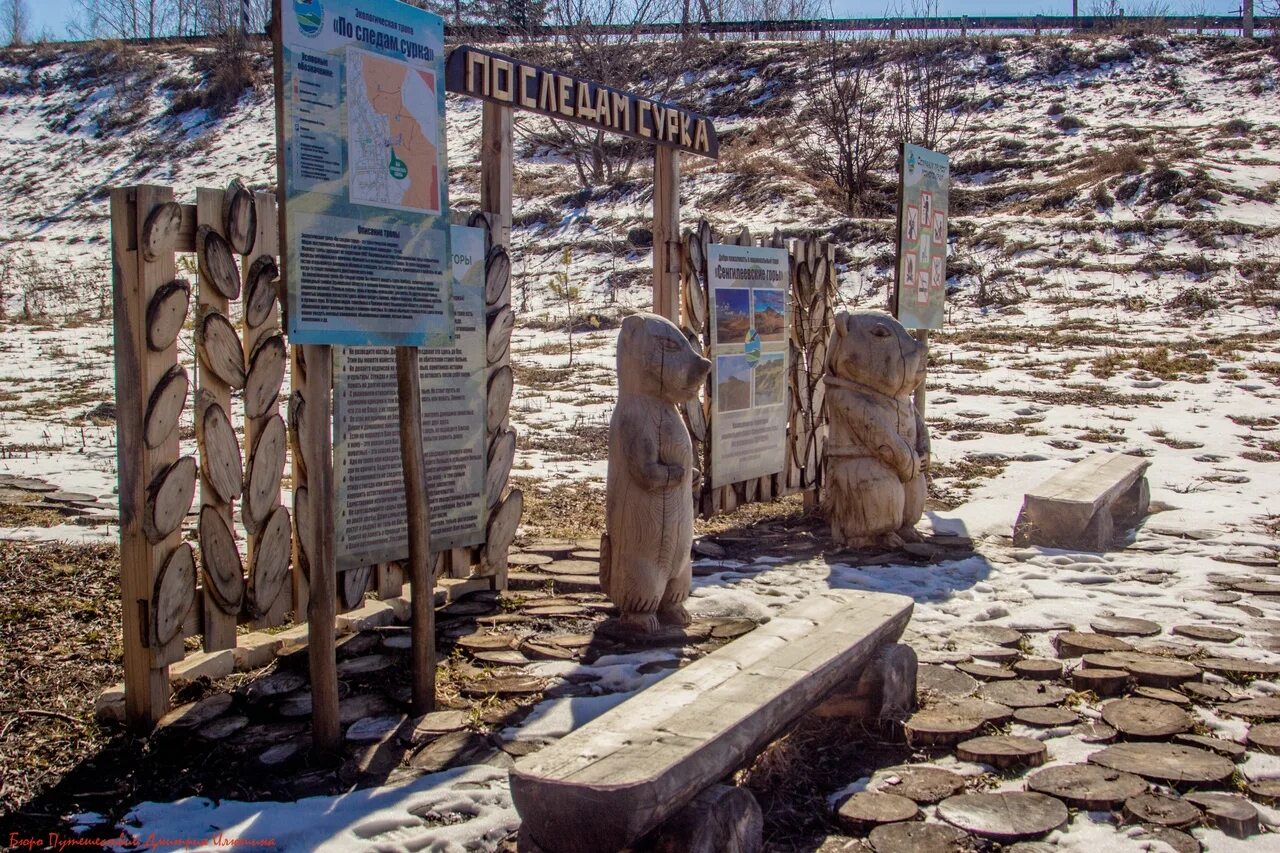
(217, 263)
(260, 294)
(175, 591)
(168, 499)
(219, 347)
(1008, 816)
(265, 376)
(220, 558)
(165, 405)
(219, 452)
(1085, 786)
(270, 566)
(1146, 718)
(166, 312)
(262, 478)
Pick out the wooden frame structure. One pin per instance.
(239, 348)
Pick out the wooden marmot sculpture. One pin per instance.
(878, 447)
(644, 554)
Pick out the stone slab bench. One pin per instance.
(1080, 506)
(617, 778)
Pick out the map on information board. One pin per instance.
(360, 93)
(922, 238)
(750, 323)
(370, 525)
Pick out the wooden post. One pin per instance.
(138, 370)
(666, 231)
(496, 161)
(1246, 19)
(219, 626)
(417, 506)
(317, 444)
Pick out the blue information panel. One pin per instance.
(364, 174)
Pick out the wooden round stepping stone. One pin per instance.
(1161, 672)
(1265, 737)
(1103, 682)
(918, 837)
(1085, 786)
(453, 749)
(1038, 669)
(922, 784)
(364, 665)
(995, 634)
(1007, 816)
(997, 654)
(986, 671)
(1265, 791)
(502, 657)
(365, 705)
(590, 554)
(1230, 813)
(870, 808)
(553, 610)
(1168, 648)
(546, 651)
(1023, 694)
(276, 684)
(524, 559)
(1162, 810)
(939, 726)
(1266, 708)
(944, 681)
(1161, 694)
(1174, 764)
(468, 607)
(281, 753)
(223, 727)
(432, 725)
(484, 642)
(514, 685)
(552, 547)
(1177, 840)
(938, 656)
(571, 567)
(1146, 718)
(1045, 717)
(1216, 596)
(1074, 644)
(1206, 633)
(1003, 751)
(992, 712)
(375, 728)
(1205, 692)
(570, 641)
(1238, 667)
(1228, 748)
(1257, 587)
(193, 715)
(1124, 626)
(1094, 731)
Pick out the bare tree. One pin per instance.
(15, 21)
(931, 96)
(851, 135)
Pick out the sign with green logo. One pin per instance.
(364, 180)
(921, 281)
(750, 327)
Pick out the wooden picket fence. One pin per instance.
(813, 291)
(171, 590)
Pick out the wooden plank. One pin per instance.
(666, 231)
(219, 626)
(417, 506)
(616, 778)
(146, 677)
(317, 450)
(266, 242)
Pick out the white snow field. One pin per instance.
(1147, 326)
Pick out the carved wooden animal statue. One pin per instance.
(644, 554)
(878, 447)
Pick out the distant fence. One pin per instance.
(838, 27)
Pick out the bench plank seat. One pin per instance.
(1074, 506)
(610, 782)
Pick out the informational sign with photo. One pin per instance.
(370, 525)
(750, 325)
(922, 238)
(360, 96)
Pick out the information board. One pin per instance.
(370, 525)
(922, 238)
(750, 327)
(360, 96)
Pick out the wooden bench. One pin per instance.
(622, 775)
(1080, 506)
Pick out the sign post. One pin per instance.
(364, 234)
(920, 290)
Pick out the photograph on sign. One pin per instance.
(370, 525)
(361, 96)
(922, 238)
(750, 326)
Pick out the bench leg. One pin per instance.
(1101, 530)
(885, 691)
(1134, 504)
(722, 819)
